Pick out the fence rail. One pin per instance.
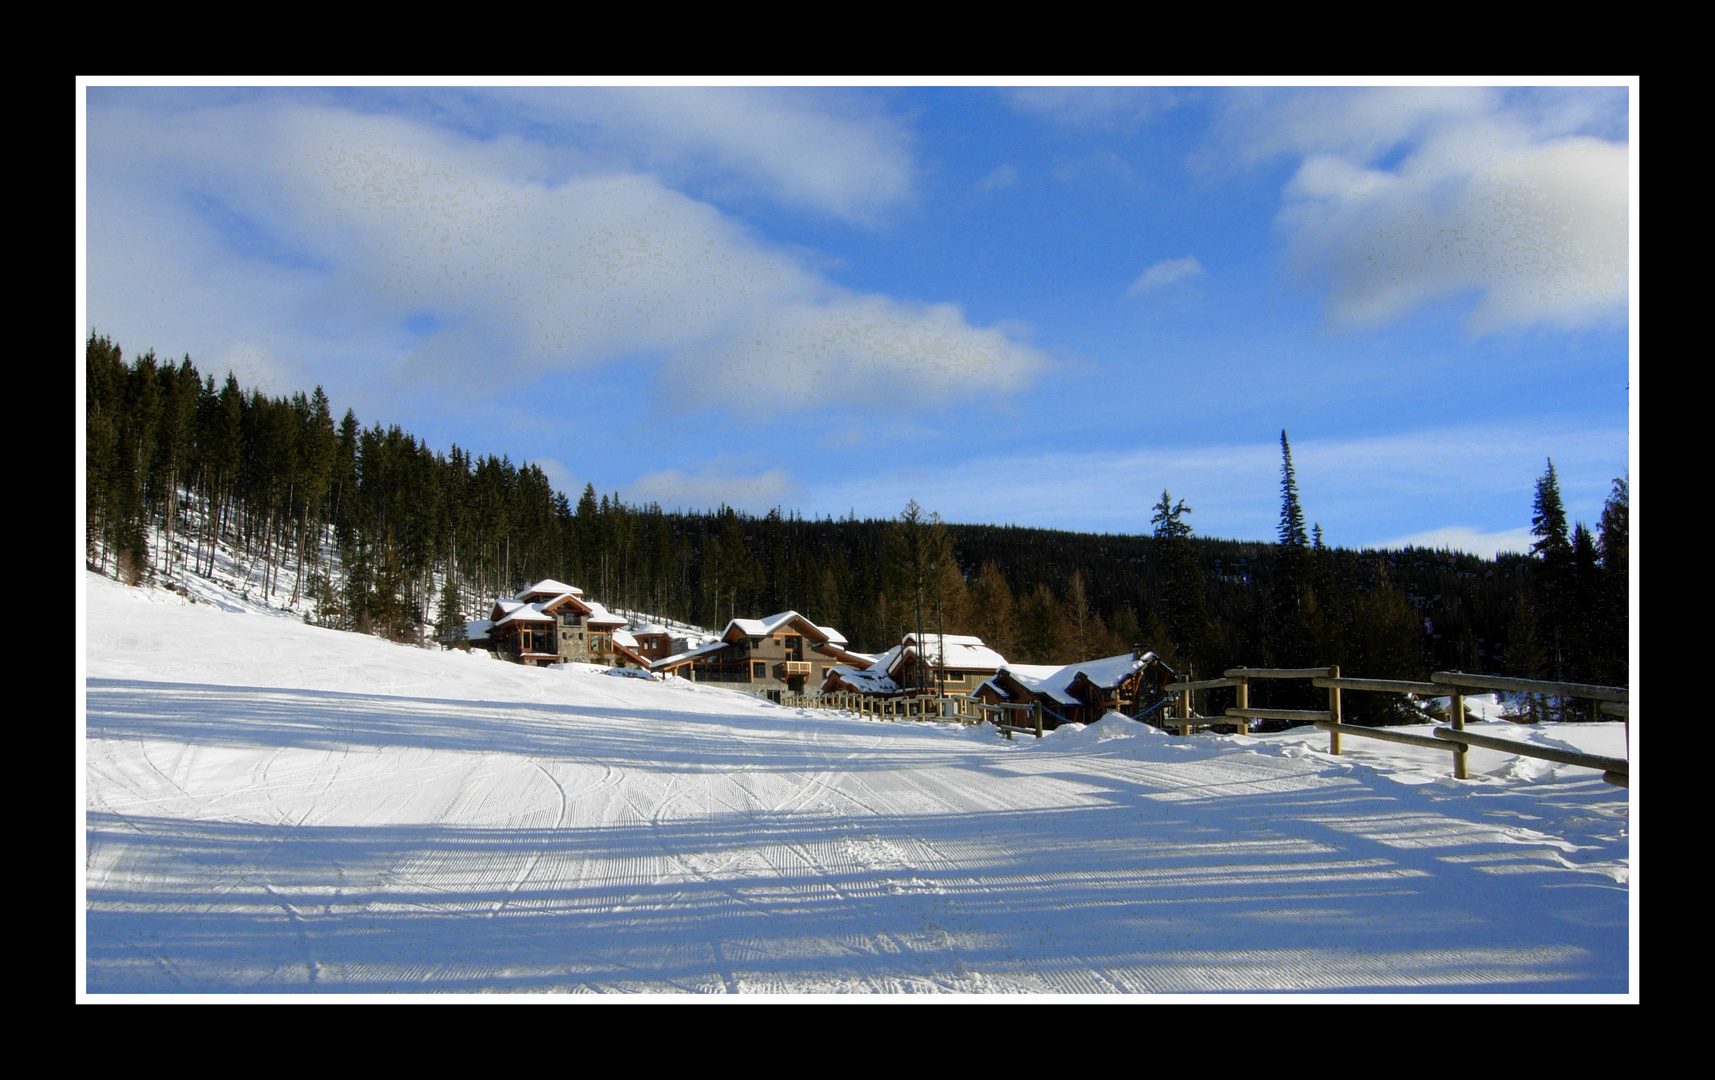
(1448, 679)
(1013, 718)
(1615, 767)
(1612, 700)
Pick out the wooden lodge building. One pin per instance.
(949, 664)
(1081, 693)
(784, 653)
(551, 623)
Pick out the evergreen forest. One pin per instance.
(380, 533)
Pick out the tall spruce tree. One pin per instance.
(1290, 631)
(1613, 633)
(1554, 585)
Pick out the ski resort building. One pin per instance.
(784, 653)
(949, 664)
(1081, 693)
(655, 642)
(551, 623)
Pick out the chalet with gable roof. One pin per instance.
(1084, 692)
(551, 623)
(782, 653)
(953, 664)
(653, 642)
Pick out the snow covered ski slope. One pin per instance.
(273, 807)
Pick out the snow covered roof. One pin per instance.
(548, 605)
(679, 658)
(867, 681)
(531, 613)
(623, 637)
(651, 628)
(1055, 682)
(1110, 671)
(771, 624)
(477, 629)
(550, 587)
(883, 663)
(601, 616)
(1041, 679)
(767, 625)
(963, 651)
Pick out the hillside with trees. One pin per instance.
(370, 529)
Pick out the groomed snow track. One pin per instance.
(276, 808)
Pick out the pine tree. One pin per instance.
(449, 621)
(1182, 606)
(910, 568)
(1390, 646)
(1554, 585)
(1043, 633)
(1290, 634)
(1614, 588)
(992, 610)
(1291, 514)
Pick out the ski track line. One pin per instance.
(143, 747)
(712, 939)
(300, 926)
(949, 868)
(535, 857)
(338, 768)
(261, 783)
(818, 870)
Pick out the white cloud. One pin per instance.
(411, 256)
(1466, 539)
(1406, 196)
(857, 350)
(674, 489)
(830, 154)
(1165, 273)
(559, 476)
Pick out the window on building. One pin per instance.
(759, 670)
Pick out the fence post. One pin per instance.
(1456, 718)
(1242, 697)
(1036, 710)
(1334, 709)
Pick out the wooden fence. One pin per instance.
(1612, 700)
(1008, 718)
(1028, 718)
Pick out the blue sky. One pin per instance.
(1033, 305)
